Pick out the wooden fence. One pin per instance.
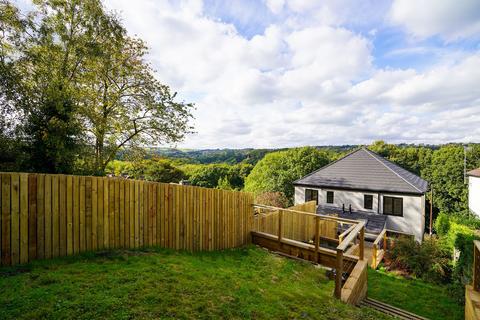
(44, 216)
(472, 292)
(295, 226)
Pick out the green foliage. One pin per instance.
(442, 224)
(159, 170)
(278, 170)
(80, 88)
(427, 260)
(223, 176)
(464, 264)
(274, 199)
(246, 283)
(447, 176)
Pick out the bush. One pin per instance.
(274, 199)
(442, 224)
(428, 260)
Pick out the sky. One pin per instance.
(286, 73)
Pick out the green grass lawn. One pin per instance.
(425, 299)
(241, 283)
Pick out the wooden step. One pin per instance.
(390, 310)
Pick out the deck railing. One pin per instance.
(308, 242)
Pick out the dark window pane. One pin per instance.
(387, 205)
(393, 206)
(311, 195)
(368, 201)
(329, 196)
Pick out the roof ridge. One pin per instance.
(374, 155)
(329, 164)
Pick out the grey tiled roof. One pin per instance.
(365, 170)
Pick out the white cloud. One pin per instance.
(306, 79)
(451, 19)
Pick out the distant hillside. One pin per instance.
(232, 156)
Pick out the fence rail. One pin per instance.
(44, 216)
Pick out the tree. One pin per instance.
(277, 170)
(83, 85)
(208, 176)
(41, 53)
(124, 104)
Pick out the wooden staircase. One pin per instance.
(390, 310)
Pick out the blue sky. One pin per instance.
(284, 73)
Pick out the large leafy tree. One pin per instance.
(83, 85)
(123, 104)
(277, 170)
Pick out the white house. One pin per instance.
(474, 191)
(364, 185)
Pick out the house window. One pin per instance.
(329, 196)
(393, 206)
(311, 195)
(368, 201)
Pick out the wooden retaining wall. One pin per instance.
(45, 216)
(355, 288)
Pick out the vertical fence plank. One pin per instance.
(48, 216)
(23, 217)
(132, 213)
(32, 217)
(70, 213)
(106, 213)
(111, 213)
(141, 213)
(76, 214)
(15, 218)
(62, 214)
(116, 217)
(151, 204)
(100, 204)
(158, 214)
(55, 216)
(81, 227)
(5, 219)
(121, 212)
(93, 240)
(137, 214)
(127, 214)
(41, 216)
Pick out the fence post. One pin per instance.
(362, 242)
(385, 241)
(476, 252)
(280, 226)
(339, 274)
(374, 255)
(317, 237)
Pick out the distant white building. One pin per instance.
(364, 185)
(474, 191)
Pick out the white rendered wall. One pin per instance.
(474, 195)
(413, 220)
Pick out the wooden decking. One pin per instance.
(307, 234)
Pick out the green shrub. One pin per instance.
(442, 224)
(427, 260)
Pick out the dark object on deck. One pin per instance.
(375, 222)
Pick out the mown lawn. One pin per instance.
(240, 283)
(425, 299)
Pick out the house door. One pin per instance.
(311, 195)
